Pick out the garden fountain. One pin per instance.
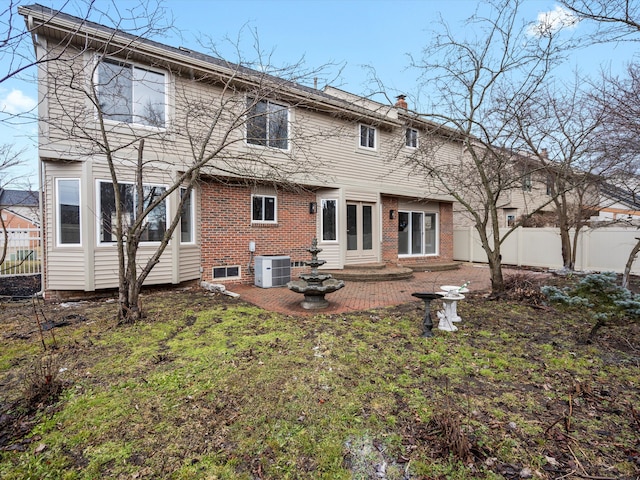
(315, 285)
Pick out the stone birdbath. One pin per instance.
(454, 293)
(315, 285)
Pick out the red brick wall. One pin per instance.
(446, 232)
(226, 229)
(389, 245)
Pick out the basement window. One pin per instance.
(226, 272)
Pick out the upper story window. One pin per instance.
(68, 210)
(411, 138)
(526, 182)
(367, 137)
(155, 222)
(550, 188)
(263, 208)
(131, 94)
(268, 124)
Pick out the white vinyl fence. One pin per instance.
(24, 252)
(599, 249)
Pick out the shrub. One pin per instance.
(41, 383)
(599, 292)
(523, 287)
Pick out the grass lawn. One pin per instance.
(211, 387)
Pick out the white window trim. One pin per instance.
(417, 138)
(192, 218)
(322, 221)
(437, 231)
(275, 209)
(437, 220)
(96, 81)
(375, 138)
(289, 122)
(99, 243)
(58, 215)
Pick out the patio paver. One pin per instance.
(358, 296)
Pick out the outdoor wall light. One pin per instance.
(313, 207)
(392, 214)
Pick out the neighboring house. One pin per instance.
(364, 204)
(617, 204)
(528, 192)
(20, 208)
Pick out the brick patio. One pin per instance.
(357, 296)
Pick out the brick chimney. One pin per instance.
(401, 103)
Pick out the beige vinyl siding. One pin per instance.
(65, 264)
(95, 266)
(66, 270)
(189, 268)
(407, 205)
(106, 267)
(331, 147)
(379, 171)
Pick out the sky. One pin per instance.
(351, 35)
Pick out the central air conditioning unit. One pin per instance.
(272, 271)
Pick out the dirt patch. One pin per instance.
(19, 286)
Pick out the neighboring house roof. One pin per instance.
(18, 198)
(621, 195)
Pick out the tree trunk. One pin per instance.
(565, 245)
(497, 279)
(5, 235)
(630, 260)
(129, 310)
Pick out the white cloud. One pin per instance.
(552, 21)
(17, 102)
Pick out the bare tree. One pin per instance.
(152, 155)
(619, 138)
(561, 125)
(616, 19)
(478, 86)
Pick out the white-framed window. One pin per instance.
(130, 93)
(526, 182)
(263, 208)
(187, 218)
(155, 223)
(329, 220)
(68, 211)
(267, 124)
(368, 137)
(417, 233)
(411, 138)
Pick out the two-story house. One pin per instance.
(282, 163)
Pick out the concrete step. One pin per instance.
(432, 267)
(370, 274)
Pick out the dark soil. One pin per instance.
(19, 286)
